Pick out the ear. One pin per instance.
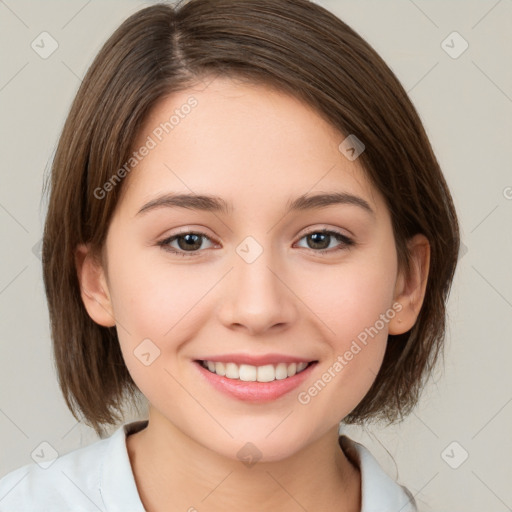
(93, 286)
(410, 290)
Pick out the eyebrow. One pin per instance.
(210, 203)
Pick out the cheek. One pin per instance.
(353, 307)
(153, 295)
(160, 301)
(350, 298)
(153, 306)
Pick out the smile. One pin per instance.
(250, 373)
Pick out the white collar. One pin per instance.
(380, 493)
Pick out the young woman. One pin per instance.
(247, 225)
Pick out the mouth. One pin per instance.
(251, 373)
(255, 384)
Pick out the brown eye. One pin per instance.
(320, 241)
(188, 242)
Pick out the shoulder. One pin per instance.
(379, 492)
(71, 480)
(86, 479)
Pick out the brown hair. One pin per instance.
(300, 48)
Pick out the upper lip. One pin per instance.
(256, 360)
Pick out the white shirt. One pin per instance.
(99, 477)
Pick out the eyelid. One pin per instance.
(189, 230)
(317, 228)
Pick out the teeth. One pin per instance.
(232, 371)
(266, 373)
(281, 371)
(250, 373)
(220, 369)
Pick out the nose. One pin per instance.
(258, 299)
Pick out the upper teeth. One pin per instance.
(247, 372)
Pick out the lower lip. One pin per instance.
(255, 391)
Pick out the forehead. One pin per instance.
(245, 143)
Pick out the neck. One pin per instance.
(171, 468)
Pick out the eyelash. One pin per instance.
(346, 242)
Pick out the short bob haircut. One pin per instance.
(301, 49)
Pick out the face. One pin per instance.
(256, 282)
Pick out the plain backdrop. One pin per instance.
(454, 451)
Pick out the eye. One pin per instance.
(320, 241)
(188, 243)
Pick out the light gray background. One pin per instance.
(466, 106)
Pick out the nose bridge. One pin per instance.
(258, 298)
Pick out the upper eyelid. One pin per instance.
(314, 228)
(191, 232)
(309, 230)
(303, 233)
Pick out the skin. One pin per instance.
(257, 149)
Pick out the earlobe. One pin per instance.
(410, 290)
(93, 287)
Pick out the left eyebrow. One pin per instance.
(323, 200)
(216, 204)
